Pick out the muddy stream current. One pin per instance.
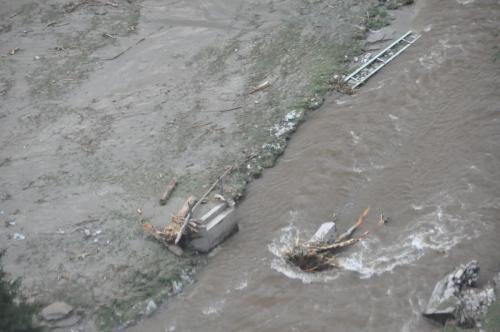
(420, 142)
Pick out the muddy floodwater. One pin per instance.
(420, 142)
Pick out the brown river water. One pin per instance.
(420, 142)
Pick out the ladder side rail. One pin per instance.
(373, 72)
(380, 67)
(377, 56)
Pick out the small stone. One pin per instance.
(87, 233)
(150, 308)
(18, 237)
(37, 57)
(56, 311)
(176, 250)
(375, 37)
(67, 322)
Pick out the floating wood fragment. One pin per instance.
(166, 194)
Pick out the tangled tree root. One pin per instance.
(312, 256)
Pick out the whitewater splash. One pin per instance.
(285, 241)
(435, 230)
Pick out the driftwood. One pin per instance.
(170, 188)
(175, 229)
(191, 211)
(169, 233)
(312, 256)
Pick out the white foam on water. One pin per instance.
(215, 308)
(355, 138)
(242, 285)
(395, 121)
(357, 170)
(439, 228)
(437, 231)
(285, 242)
(417, 207)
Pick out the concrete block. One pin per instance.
(219, 227)
(326, 233)
(216, 210)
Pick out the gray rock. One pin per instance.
(445, 302)
(150, 308)
(454, 299)
(67, 322)
(56, 311)
(375, 37)
(474, 305)
(496, 283)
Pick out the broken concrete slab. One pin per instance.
(214, 227)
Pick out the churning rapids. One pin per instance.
(420, 142)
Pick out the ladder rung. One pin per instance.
(390, 52)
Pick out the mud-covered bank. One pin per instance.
(103, 102)
(419, 143)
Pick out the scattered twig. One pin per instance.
(226, 110)
(109, 36)
(125, 50)
(15, 14)
(261, 86)
(200, 125)
(231, 109)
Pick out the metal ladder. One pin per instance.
(367, 70)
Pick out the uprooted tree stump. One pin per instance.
(315, 256)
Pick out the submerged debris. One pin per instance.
(319, 253)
